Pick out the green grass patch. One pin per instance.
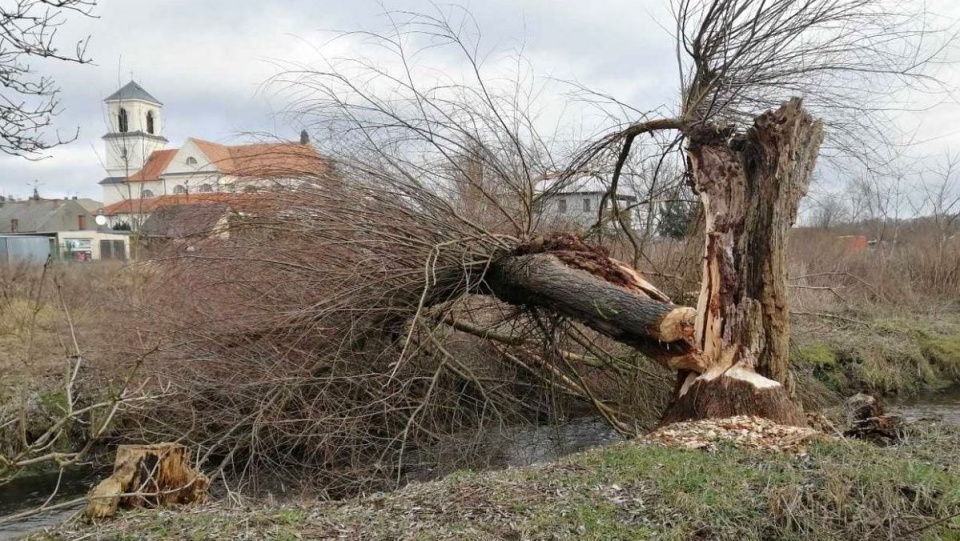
(899, 356)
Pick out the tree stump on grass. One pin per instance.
(147, 476)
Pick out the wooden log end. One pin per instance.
(737, 391)
(678, 324)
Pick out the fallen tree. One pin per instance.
(417, 294)
(734, 348)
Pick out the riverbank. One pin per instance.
(838, 489)
(884, 354)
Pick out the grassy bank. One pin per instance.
(839, 490)
(885, 354)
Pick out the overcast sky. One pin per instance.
(207, 60)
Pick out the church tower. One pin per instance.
(135, 131)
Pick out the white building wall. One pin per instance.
(190, 160)
(126, 152)
(114, 193)
(136, 116)
(192, 183)
(576, 209)
(91, 239)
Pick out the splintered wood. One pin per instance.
(147, 476)
(741, 431)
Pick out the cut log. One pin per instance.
(147, 476)
(606, 296)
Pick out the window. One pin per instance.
(146, 194)
(586, 204)
(81, 222)
(179, 189)
(122, 120)
(191, 161)
(206, 188)
(562, 206)
(14, 225)
(149, 121)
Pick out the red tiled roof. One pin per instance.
(259, 160)
(264, 160)
(156, 164)
(236, 201)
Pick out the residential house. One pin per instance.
(70, 224)
(574, 203)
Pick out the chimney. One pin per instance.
(304, 137)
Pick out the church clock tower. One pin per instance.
(135, 131)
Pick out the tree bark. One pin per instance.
(751, 186)
(605, 295)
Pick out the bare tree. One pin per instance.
(829, 211)
(29, 101)
(941, 196)
(939, 205)
(880, 199)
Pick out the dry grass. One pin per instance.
(65, 373)
(920, 270)
(840, 490)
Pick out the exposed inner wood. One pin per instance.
(750, 186)
(147, 476)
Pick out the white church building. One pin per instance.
(143, 174)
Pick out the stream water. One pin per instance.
(32, 491)
(941, 405)
(525, 447)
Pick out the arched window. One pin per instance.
(179, 189)
(122, 120)
(146, 194)
(206, 188)
(191, 161)
(149, 121)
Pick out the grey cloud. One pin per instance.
(206, 60)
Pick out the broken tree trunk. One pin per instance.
(751, 186)
(580, 282)
(147, 476)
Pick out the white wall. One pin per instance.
(114, 193)
(125, 155)
(136, 116)
(180, 162)
(577, 213)
(94, 238)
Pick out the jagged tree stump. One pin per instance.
(750, 186)
(147, 476)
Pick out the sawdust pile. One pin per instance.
(741, 431)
